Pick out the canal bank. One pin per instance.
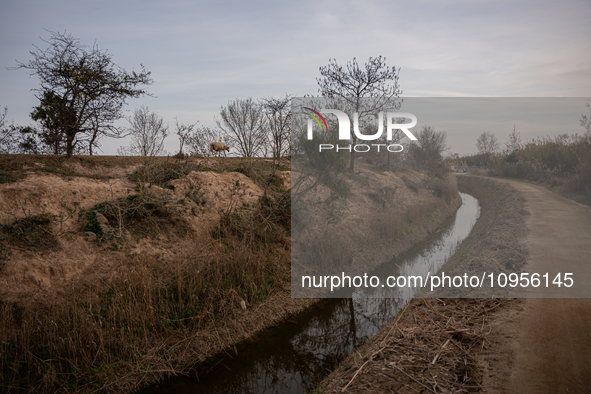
(293, 356)
(402, 191)
(437, 345)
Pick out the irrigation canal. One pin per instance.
(292, 357)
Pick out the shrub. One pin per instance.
(31, 233)
(160, 174)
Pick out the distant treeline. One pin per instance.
(563, 161)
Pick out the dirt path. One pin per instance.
(543, 345)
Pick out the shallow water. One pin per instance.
(293, 356)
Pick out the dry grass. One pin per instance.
(30, 233)
(394, 225)
(434, 344)
(126, 327)
(495, 244)
(132, 320)
(162, 169)
(431, 347)
(144, 214)
(15, 167)
(330, 251)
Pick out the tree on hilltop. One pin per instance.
(243, 122)
(352, 86)
(82, 90)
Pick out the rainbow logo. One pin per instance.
(316, 118)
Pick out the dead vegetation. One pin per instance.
(431, 347)
(16, 167)
(154, 283)
(496, 243)
(270, 222)
(436, 345)
(136, 319)
(183, 252)
(31, 233)
(381, 215)
(144, 214)
(562, 163)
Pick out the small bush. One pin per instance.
(337, 184)
(196, 194)
(249, 170)
(161, 174)
(32, 232)
(269, 223)
(145, 214)
(563, 162)
(442, 188)
(92, 224)
(6, 177)
(412, 185)
(276, 210)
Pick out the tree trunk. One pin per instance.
(91, 143)
(70, 144)
(353, 142)
(352, 160)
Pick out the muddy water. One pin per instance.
(292, 357)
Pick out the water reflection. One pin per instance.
(293, 357)
(426, 258)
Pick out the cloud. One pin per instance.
(203, 54)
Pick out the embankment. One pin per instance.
(382, 215)
(496, 243)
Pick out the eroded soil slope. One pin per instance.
(38, 270)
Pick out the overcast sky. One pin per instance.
(203, 54)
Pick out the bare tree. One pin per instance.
(514, 143)
(199, 140)
(148, 132)
(352, 85)
(429, 147)
(6, 135)
(184, 131)
(243, 122)
(88, 89)
(487, 144)
(586, 120)
(278, 117)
